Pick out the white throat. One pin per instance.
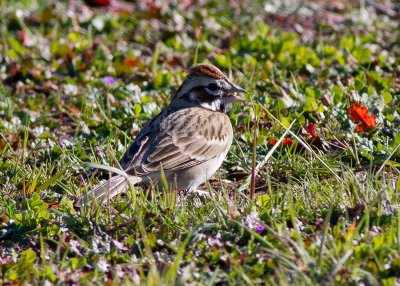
(218, 104)
(215, 105)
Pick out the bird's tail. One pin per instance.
(109, 189)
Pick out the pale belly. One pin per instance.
(189, 179)
(194, 177)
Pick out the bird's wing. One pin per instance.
(177, 140)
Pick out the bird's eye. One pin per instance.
(213, 86)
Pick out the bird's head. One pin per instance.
(207, 87)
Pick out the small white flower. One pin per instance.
(70, 89)
(74, 246)
(102, 265)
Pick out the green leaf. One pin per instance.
(51, 181)
(16, 46)
(337, 92)
(387, 97)
(146, 99)
(12, 54)
(35, 203)
(285, 121)
(393, 164)
(347, 42)
(27, 257)
(263, 200)
(161, 79)
(363, 55)
(366, 154)
(310, 105)
(223, 61)
(35, 180)
(137, 109)
(359, 84)
(310, 92)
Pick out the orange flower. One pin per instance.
(3, 218)
(272, 141)
(73, 109)
(359, 114)
(287, 142)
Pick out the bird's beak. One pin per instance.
(236, 88)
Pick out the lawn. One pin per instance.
(308, 194)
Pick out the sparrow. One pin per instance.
(187, 141)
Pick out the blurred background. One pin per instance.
(66, 51)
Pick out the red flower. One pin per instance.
(131, 62)
(272, 141)
(359, 114)
(287, 142)
(24, 38)
(310, 128)
(53, 205)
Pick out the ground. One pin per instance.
(308, 194)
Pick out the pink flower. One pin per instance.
(109, 80)
(260, 228)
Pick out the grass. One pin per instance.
(325, 206)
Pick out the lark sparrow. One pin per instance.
(188, 140)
